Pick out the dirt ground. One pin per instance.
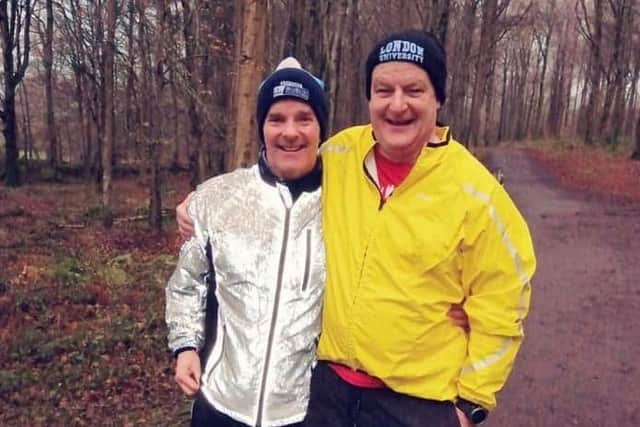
(578, 365)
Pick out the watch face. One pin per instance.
(478, 415)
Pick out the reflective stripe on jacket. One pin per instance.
(447, 233)
(268, 256)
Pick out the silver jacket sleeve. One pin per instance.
(186, 292)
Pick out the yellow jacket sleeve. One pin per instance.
(498, 262)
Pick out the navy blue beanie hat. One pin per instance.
(417, 47)
(291, 81)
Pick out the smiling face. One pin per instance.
(403, 109)
(292, 137)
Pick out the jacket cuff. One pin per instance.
(181, 349)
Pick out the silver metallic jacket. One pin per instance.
(269, 262)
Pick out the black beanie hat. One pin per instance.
(417, 47)
(291, 81)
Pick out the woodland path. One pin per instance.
(580, 361)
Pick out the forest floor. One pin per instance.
(82, 334)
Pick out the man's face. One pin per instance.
(292, 137)
(403, 109)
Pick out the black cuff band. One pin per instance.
(180, 350)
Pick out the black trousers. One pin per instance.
(336, 403)
(205, 415)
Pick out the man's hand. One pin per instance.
(188, 372)
(185, 224)
(459, 317)
(464, 422)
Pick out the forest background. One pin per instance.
(112, 110)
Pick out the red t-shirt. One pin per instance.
(390, 173)
(356, 378)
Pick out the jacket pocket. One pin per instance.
(307, 262)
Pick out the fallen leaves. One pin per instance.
(82, 311)
(593, 169)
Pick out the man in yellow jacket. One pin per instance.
(413, 223)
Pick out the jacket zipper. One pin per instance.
(307, 262)
(382, 199)
(274, 318)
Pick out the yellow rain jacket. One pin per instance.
(448, 233)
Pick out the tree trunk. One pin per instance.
(570, 113)
(483, 66)
(155, 187)
(12, 169)
(131, 110)
(636, 152)
(620, 62)
(440, 25)
(249, 69)
(353, 75)
(334, 25)
(460, 69)
(633, 96)
(47, 62)
(107, 147)
(26, 132)
(519, 116)
(434, 17)
(591, 133)
(191, 47)
(14, 37)
(175, 156)
(490, 133)
(85, 133)
(543, 46)
(99, 92)
(503, 99)
(557, 95)
(216, 75)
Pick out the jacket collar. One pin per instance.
(307, 183)
(430, 157)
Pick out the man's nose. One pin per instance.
(398, 101)
(290, 130)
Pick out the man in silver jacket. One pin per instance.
(259, 230)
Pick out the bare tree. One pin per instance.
(335, 16)
(612, 119)
(196, 61)
(73, 54)
(47, 62)
(27, 133)
(131, 111)
(593, 33)
(434, 16)
(483, 65)
(459, 68)
(636, 152)
(15, 25)
(251, 24)
(107, 146)
(559, 86)
(157, 74)
(542, 39)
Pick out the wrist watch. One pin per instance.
(474, 412)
